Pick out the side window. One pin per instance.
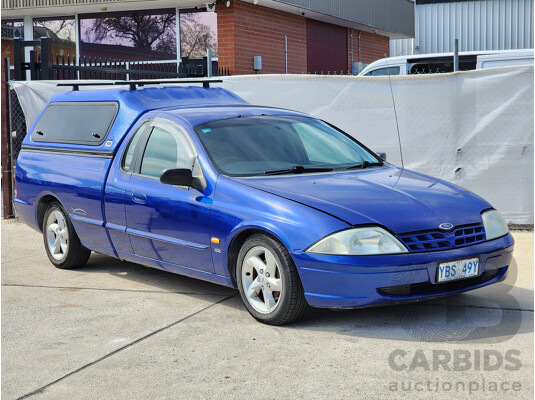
(128, 159)
(76, 122)
(384, 71)
(166, 148)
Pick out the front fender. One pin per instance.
(238, 207)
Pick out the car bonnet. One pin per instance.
(400, 200)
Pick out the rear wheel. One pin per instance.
(268, 281)
(62, 244)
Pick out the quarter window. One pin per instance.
(128, 160)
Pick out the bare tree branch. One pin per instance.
(196, 37)
(144, 31)
(156, 32)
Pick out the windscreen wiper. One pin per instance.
(365, 164)
(296, 169)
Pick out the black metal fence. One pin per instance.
(102, 68)
(43, 65)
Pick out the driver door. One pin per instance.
(164, 222)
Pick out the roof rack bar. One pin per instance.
(134, 84)
(77, 84)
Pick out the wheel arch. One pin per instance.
(239, 236)
(42, 206)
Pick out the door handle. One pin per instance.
(139, 197)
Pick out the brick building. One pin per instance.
(293, 36)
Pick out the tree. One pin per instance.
(60, 29)
(151, 32)
(156, 32)
(196, 37)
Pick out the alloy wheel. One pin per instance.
(57, 235)
(261, 279)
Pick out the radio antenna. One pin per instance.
(395, 112)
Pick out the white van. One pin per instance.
(443, 62)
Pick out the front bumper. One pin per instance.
(361, 281)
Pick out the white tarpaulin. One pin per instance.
(474, 129)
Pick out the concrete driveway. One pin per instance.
(116, 330)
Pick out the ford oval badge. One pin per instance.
(445, 226)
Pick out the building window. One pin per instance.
(198, 33)
(61, 31)
(10, 29)
(144, 35)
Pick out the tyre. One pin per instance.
(268, 281)
(62, 245)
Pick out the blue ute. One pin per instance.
(284, 207)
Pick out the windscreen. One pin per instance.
(269, 144)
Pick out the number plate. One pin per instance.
(460, 269)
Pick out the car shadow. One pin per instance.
(426, 321)
(489, 315)
(147, 279)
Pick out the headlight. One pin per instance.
(358, 242)
(495, 225)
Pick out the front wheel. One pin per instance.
(62, 245)
(268, 281)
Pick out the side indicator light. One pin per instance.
(215, 240)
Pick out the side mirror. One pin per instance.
(177, 176)
(381, 155)
(182, 177)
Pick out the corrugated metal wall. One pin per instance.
(401, 47)
(479, 25)
(395, 16)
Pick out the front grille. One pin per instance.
(440, 240)
(426, 288)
